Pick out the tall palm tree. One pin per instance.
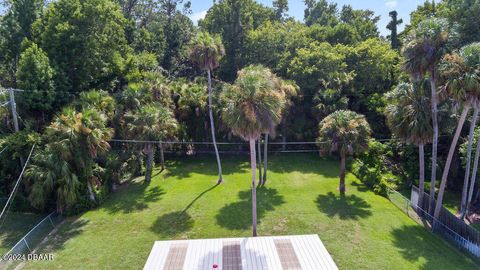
(410, 122)
(423, 49)
(206, 52)
(151, 123)
(290, 90)
(251, 108)
(462, 80)
(345, 132)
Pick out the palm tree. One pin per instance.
(461, 75)
(81, 136)
(206, 53)
(251, 108)
(410, 122)
(151, 123)
(423, 50)
(345, 132)
(50, 173)
(290, 90)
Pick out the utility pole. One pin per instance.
(13, 106)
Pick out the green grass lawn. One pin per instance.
(15, 226)
(361, 230)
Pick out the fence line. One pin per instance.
(28, 243)
(437, 226)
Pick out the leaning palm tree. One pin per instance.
(345, 132)
(424, 47)
(462, 80)
(206, 52)
(410, 122)
(251, 108)
(151, 123)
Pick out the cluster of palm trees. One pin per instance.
(252, 106)
(452, 77)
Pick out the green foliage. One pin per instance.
(75, 35)
(233, 19)
(207, 51)
(373, 168)
(36, 76)
(344, 132)
(15, 26)
(252, 106)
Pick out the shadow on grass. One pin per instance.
(134, 198)
(69, 229)
(238, 215)
(172, 224)
(416, 243)
(13, 226)
(343, 206)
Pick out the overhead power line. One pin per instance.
(15, 188)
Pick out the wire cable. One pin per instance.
(15, 188)
(3, 149)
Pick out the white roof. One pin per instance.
(302, 252)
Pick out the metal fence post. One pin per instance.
(25, 240)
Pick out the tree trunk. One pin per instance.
(443, 183)
(90, 191)
(162, 157)
(259, 153)
(284, 132)
(212, 127)
(150, 152)
(342, 174)
(265, 160)
(421, 183)
(473, 178)
(254, 190)
(435, 138)
(463, 205)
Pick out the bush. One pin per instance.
(383, 166)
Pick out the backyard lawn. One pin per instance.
(361, 230)
(15, 226)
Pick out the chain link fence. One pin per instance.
(424, 218)
(28, 243)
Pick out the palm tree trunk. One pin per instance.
(254, 190)
(463, 205)
(473, 179)
(342, 174)
(259, 153)
(162, 157)
(435, 139)
(265, 160)
(90, 191)
(421, 183)
(443, 183)
(212, 127)
(148, 173)
(284, 134)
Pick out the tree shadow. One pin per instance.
(13, 226)
(343, 206)
(134, 198)
(238, 215)
(172, 224)
(199, 196)
(70, 228)
(416, 243)
(360, 186)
